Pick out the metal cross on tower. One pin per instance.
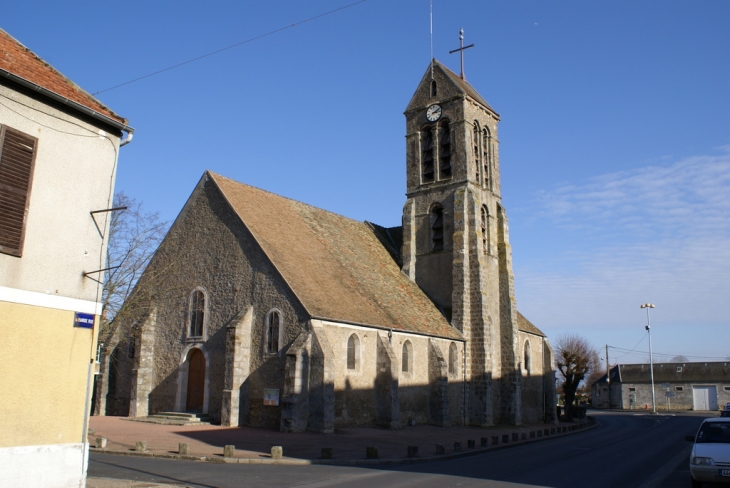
(461, 49)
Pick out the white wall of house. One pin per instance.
(74, 173)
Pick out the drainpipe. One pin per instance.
(127, 139)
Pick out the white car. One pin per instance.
(709, 461)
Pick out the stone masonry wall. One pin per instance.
(208, 248)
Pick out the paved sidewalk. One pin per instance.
(253, 445)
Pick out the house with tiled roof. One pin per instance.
(685, 385)
(272, 312)
(59, 148)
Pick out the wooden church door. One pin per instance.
(196, 381)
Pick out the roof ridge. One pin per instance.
(218, 175)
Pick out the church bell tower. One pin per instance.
(455, 237)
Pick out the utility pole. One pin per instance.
(647, 306)
(608, 377)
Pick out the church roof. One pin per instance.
(422, 96)
(337, 267)
(18, 60)
(526, 326)
(463, 84)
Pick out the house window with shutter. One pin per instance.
(445, 151)
(17, 159)
(427, 160)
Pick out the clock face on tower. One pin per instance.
(433, 113)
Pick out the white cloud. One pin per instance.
(659, 233)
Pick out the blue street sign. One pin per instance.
(85, 320)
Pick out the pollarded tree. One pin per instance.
(576, 359)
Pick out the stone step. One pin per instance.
(176, 418)
(184, 415)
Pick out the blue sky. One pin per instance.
(614, 140)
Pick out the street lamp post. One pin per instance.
(647, 306)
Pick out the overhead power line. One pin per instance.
(231, 47)
(634, 352)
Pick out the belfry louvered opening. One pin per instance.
(445, 151)
(427, 162)
(437, 228)
(17, 160)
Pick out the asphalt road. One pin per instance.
(626, 450)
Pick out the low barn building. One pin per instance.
(262, 310)
(680, 386)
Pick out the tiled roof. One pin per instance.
(667, 372)
(24, 63)
(336, 266)
(463, 84)
(526, 326)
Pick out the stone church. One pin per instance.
(276, 313)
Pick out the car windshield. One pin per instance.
(717, 432)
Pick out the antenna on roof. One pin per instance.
(431, 5)
(461, 49)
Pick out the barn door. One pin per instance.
(196, 381)
(702, 397)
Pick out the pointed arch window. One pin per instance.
(487, 158)
(485, 230)
(444, 151)
(197, 314)
(437, 228)
(453, 359)
(427, 159)
(434, 88)
(477, 152)
(273, 331)
(353, 352)
(528, 366)
(407, 357)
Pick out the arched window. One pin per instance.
(197, 314)
(477, 152)
(437, 228)
(273, 331)
(407, 358)
(487, 158)
(453, 359)
(427, 159)
(434, 88)
(528, 367)
(353, 352)
(445, 151)
(485, 229)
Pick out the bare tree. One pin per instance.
(134, 235)
(576, 359)
(679, 359)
